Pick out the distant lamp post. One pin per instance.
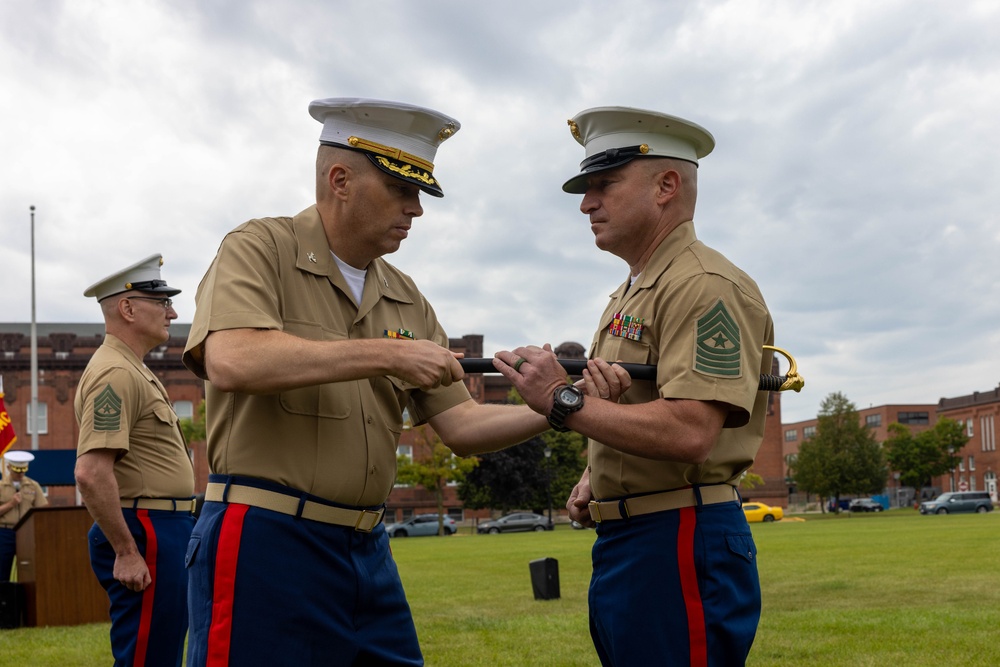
(548, 480)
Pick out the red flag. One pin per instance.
(7, 435)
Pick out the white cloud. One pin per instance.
(854, 176)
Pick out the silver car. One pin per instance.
(420, 524)
(515, 522)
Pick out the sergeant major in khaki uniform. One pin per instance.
(134, 471)
(675, 575)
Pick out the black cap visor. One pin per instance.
(404, 171)
(609, 159)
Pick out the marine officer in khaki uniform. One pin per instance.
(313, 346)
(134, 471)
(675, 578)
(18, 494)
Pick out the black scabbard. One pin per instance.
(636, 371)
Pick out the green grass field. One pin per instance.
(877, 589)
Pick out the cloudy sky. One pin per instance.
(856, 175)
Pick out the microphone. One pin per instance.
(17, 486)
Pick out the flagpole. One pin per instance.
(34, 344)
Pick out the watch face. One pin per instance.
(569, 396)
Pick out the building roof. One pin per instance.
(79, 328)
(973, 399)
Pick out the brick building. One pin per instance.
(65, 348)
(63, 352)
(918, 417)
(980, 463)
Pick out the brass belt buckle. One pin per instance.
(377, 516)
(595, 510)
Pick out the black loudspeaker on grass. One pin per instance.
(545, 578)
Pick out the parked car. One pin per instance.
(958, 501)
(841, 505)
(515, 522)
(420, 524)
(761, 512)
(865, 505)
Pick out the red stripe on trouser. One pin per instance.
(226, 555)
(149, 594)
(697, 642)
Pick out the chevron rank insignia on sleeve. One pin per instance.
(717, 343)
(108, 410)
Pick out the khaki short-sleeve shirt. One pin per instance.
(337, 440)
(31, 496)
(120, 405)
(702, 322)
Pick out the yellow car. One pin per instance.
(761, 512)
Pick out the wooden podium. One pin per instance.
(53, 563)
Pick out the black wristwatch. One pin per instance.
(566, 399)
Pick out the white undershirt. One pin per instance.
(355, 277)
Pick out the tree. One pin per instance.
(522, 476)
(750, 480)
(194, 429)
(506, 480)
(926, 455)
(435, 472)
(843, 457)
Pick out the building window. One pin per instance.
(184, 409)
(968, 427)
(43, 418)
(405, 452)
(912, 418)
(791, 435)
(808, 432)
(987, 434)
(961, 465)
(871, 421)
(972, 463)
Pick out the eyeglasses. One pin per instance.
(163, 301)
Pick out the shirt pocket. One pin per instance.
(331, 400)
(628, 351)
(165, 414)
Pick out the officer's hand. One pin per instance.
(427, 365)
(131, 572)
(536, 377)
(16, 498)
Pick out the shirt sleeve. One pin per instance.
(710, 346)
(238, 292)
(108, 410)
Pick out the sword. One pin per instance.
(790, 380)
